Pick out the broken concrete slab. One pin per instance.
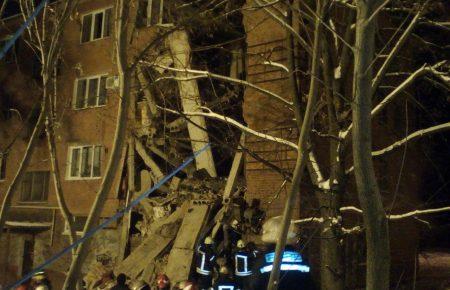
(190, 228)
(135, 263)
(181, 256)
(151, 247)
(191, 101)
(177, 271)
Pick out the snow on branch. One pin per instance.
(277, 65)
(410, 214)
(196, 74)
(317, 220)
(413, 136)
(425, 69)
(401, 41)
(418, 213)
(210, 114)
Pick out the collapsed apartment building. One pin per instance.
(166, 227)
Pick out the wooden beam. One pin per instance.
(189, 170)
(234, 171)
(229, 186)
(155, 170)
(147, 94)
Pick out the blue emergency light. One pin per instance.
(288, 257)
(286, 267)
(292, 261)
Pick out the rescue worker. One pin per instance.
(224, 281)
(139, 285)
(243, 264)
(235, 233)
(186, 285)
(23, 286)
(163, 282)
(254, 216)
(107, 281)
(205, 262)
(121, 283)
(39, 281)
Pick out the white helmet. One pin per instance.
(224, 270)
(208, 240)
(241, 244)
(138, 285)
(186, 285)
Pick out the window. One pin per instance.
(96, 25)
(78, 224)
(2, 166)
(35, 186)
(90, 92)
(152, 12)
(85, 162)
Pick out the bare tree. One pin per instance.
(44, 40)
(375, 222)
(121, 27)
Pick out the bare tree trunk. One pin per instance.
(125, 228)
(331, 251)
(17, 180)
(68, 218)
(375, 222)
(302, 156)
(124, 78)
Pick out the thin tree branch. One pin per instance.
(411, 137)
(3, 7)
(207, 74)
(400, 88)
(410, 214)
(283, 23)
(210, 114)
(401, 41)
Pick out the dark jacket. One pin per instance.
(120, 287)
(225, 280)
(243, 262)
(205, 260)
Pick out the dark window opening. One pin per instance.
(2, 166)
(35, 186)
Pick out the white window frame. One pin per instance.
(93, 13)
(2, 167)
(148, 20)
(86, 92)
(79, 162)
